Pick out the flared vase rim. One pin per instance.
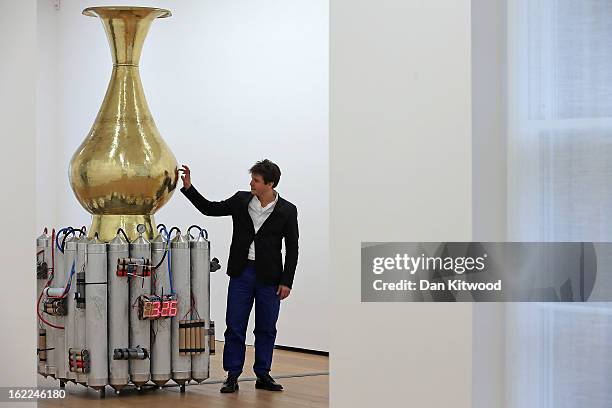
(91, 11)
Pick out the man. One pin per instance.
(261, 219)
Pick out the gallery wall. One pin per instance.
(18, 204)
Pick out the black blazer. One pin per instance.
(282, 223)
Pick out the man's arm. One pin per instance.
(291, 235)
(212, 208)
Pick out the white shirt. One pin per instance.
(259, 215)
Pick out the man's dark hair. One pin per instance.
(268, 170)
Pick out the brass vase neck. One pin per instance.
(126, 29)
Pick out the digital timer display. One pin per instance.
(155, 309)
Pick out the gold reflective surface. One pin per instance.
(123, 172)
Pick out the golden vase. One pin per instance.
(123, 172)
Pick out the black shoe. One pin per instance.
(230, 385)
(265, 382)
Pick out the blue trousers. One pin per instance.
(241, 293)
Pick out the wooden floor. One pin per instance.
(304, 377)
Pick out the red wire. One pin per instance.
(66, 288)
(42, 319)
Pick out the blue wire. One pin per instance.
(71, 275)
(169, 264)
(63, 230)
(165, 231)
(202, 230)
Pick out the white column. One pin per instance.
(401, 161)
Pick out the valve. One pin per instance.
(214, 265)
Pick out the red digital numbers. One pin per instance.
(146, 310)
(165, 307)
(169, 308)
(157, 309)
(172, 309)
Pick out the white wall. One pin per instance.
(47, 147)
(17, 243)
(228, 83)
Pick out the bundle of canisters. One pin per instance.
(118, 313)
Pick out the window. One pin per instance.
(560, 120)
(559, 189)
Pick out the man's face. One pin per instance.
(258, 186)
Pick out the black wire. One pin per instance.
(162, 260)
(167, 247)
(66, 233)
(172, 229)
(73, 230)
(124, 234)
(193, 226)
(161, 225)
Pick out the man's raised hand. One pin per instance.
(186, 177)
